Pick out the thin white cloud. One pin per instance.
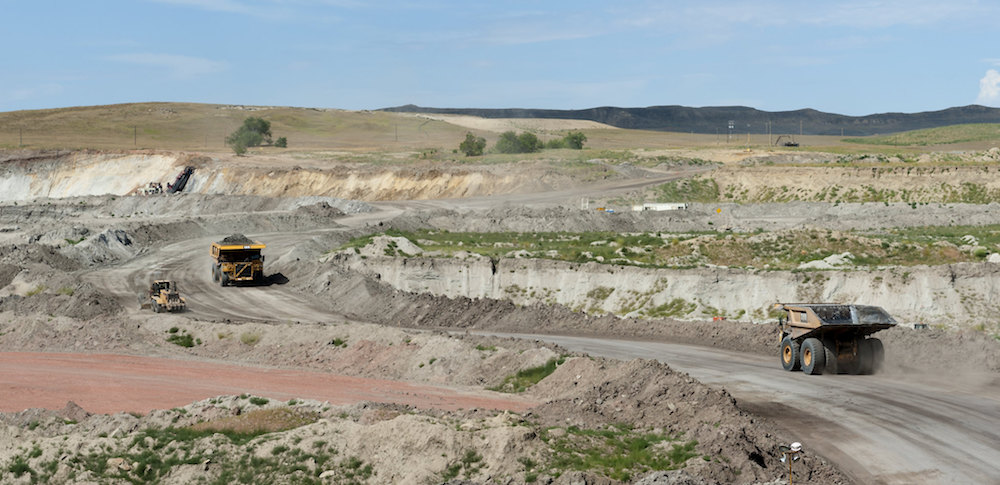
(716, 15)
(177, 66)
(35, 92)
(232, 6)
(271, 9)
(989, 89)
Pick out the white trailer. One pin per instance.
(660, 206)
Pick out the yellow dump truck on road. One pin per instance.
(236, 259)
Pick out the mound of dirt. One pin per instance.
(41, 254)
(236, 239)
(7, 273)
(589, 393)
(79, 301)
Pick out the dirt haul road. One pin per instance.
(102, 383)
(887, 429)
(878, 429)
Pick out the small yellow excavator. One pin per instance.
(163, 296)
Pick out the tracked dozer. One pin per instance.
(237, 259)
(163, 296)
(831, 338)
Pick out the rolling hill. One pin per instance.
(713, 120)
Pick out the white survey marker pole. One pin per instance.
(790, 454)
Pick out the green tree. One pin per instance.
(473, 145)
(254, 132)
(556, 143)
(508, 143)
(511, 142)
(281, 142)
(575, 140)
(529, 142)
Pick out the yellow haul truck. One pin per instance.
(237, 258)
(831, 338)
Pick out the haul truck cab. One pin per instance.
(237, 258)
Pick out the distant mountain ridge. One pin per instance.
(712, 120)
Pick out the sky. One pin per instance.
(847, 57)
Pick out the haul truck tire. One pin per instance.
(789, 354)
(866, 357)
(813, 356)
(878, 354)
(830, 351)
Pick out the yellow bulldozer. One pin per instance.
(163, 295)
(237, 259)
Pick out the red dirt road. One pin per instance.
(107, 383)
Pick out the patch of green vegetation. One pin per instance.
(486, 348)
(182, 339)
(523, 379)
(36, 290)
(470, 463)
(73, 242)
(259, 401)
(945, 135)
(674, 308)
(696, 189)
(600, 293)
(66, 290)
(784, 250)
(19, 466)
(618, 452)
(250, 338)
(154, 452)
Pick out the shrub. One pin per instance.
(511, 142)
(19, 467)
(526, 378)
(250, 338)
(254, 132)
(281, 142)
(473, 145)
(575, 140)
(184, 340)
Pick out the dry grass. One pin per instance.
(203, 127)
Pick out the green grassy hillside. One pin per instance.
(189, 126)
(947, 135)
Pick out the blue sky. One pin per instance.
(848, 57)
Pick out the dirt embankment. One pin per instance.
(369, 298)
(958, 295)
(912, 183)
(61, 175)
